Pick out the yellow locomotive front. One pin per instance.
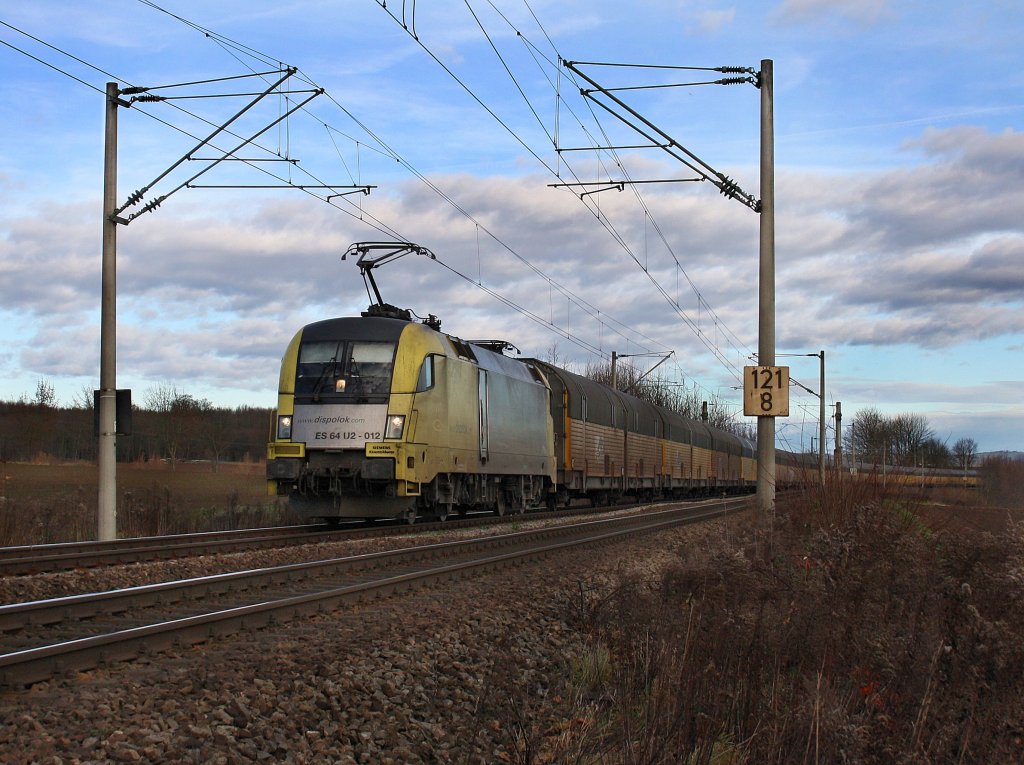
(382, 417)
(342, 416)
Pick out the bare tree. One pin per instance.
(934, 453)
(179, 421)
(83, 399)
(965, 450)
(868, 439)
(45, 395)
(909, 434)
(905, 439)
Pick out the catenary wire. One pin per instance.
(602, 218)
(249, 51)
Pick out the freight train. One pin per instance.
(382, 416)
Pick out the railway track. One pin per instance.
(43, 638)
(40, 559)
(47, 558)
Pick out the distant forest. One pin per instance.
(171, 425)
(167, 424)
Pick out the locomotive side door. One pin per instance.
(484, 419)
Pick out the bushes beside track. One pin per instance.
(42, 503)
(876, 630)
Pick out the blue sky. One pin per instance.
(899, 186)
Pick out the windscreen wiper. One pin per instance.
(330, 366)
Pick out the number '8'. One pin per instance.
(766, 401)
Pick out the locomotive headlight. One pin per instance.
(284, 427)
(395, 426)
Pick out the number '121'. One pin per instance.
(769, 378)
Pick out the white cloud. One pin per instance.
(861, 259)
(711, 21)
(864, 11)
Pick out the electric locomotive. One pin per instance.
(380, 416)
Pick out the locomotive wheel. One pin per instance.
(500, 506)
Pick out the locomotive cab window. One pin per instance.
(340, 367)
(425, 381)
(369, 367)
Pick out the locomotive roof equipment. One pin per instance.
(388, 251)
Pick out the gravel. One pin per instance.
(472, 671)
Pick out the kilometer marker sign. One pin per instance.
(766, 391)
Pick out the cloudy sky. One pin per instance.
(899, 191)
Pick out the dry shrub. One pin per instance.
(157, 511)
(72, 516)
(65, 517)
(868, 638)
(1002, 482)
(41, 504)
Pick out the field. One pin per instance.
(42, 503)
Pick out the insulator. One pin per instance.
(135, 198)
(732, 69)
(133, 90)
(148, 99)
(152, 205)
(733, 80)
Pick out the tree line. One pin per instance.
(174, 425)
(169, 424)
(906, 440)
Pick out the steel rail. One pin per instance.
(30, 665)
(66, 556)
(57, 547)
(42, 558)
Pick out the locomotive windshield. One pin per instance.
(334, 368)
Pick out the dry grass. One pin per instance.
(45, 503)
(871, 636)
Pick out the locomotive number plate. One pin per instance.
(339, 426)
